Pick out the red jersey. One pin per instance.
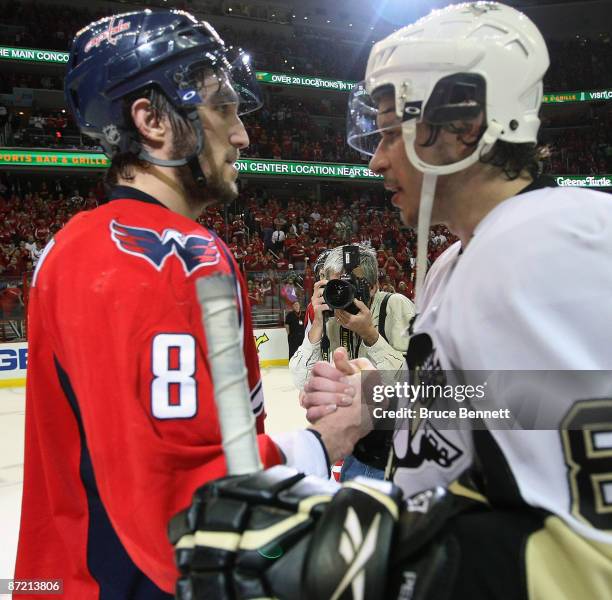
(121, 423)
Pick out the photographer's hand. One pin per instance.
(318, 304)
(361, 323)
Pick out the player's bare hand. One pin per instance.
(326, 389)
(342, 427)
(348, 367)
(332, 386)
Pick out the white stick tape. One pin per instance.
(218, 303)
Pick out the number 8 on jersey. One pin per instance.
(174, 388)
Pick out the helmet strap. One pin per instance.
(192, 161)
(428, 191)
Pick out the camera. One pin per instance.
(341, 293)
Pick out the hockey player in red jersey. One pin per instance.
(121, 423)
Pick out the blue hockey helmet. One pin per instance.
(117, 56)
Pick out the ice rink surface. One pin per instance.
(282, 407)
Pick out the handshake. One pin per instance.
(280, 534)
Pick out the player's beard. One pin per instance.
(216, 190)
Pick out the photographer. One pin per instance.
(373, 326)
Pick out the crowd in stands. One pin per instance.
(39, 25)
(43, 129)
(285, 129)
(10, 79)
(576, 64)
(29, 217)
(281, 129)
(275, 242)
(584, 149)
(287, 237)
(303, 54)
(579, 64)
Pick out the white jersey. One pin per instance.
(532, 291)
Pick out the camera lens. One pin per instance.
(338, 294)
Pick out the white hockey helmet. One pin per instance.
(492, 45)
(452, 65)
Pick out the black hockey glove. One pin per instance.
(278, 533)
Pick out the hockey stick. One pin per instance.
(218, 303)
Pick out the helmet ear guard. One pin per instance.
(458, 97)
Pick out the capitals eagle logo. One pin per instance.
(193, 250)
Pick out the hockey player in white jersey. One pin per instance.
(449, 112)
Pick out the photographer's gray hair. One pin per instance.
(334, 263)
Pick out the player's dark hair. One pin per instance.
(512, 159)
(122, 164)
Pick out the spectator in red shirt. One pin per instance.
(257, 243)
(12, 268)
(249, 259)
(266, 290)
(391, 266)
(298, 255)
(290, 241)
(233, 245)
(308, 283)
(282, 264)
(42, 233)
(262, 261)
(11, 303)
(253, 293)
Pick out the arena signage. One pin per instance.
(13, 364)
(259, 166)
(304, 169)
(13, 359)
(43, 158)
(586, 96)
(33, 55)
(271, 347)
(591, 181)
(312, 81)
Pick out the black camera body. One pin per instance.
(341, 293)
